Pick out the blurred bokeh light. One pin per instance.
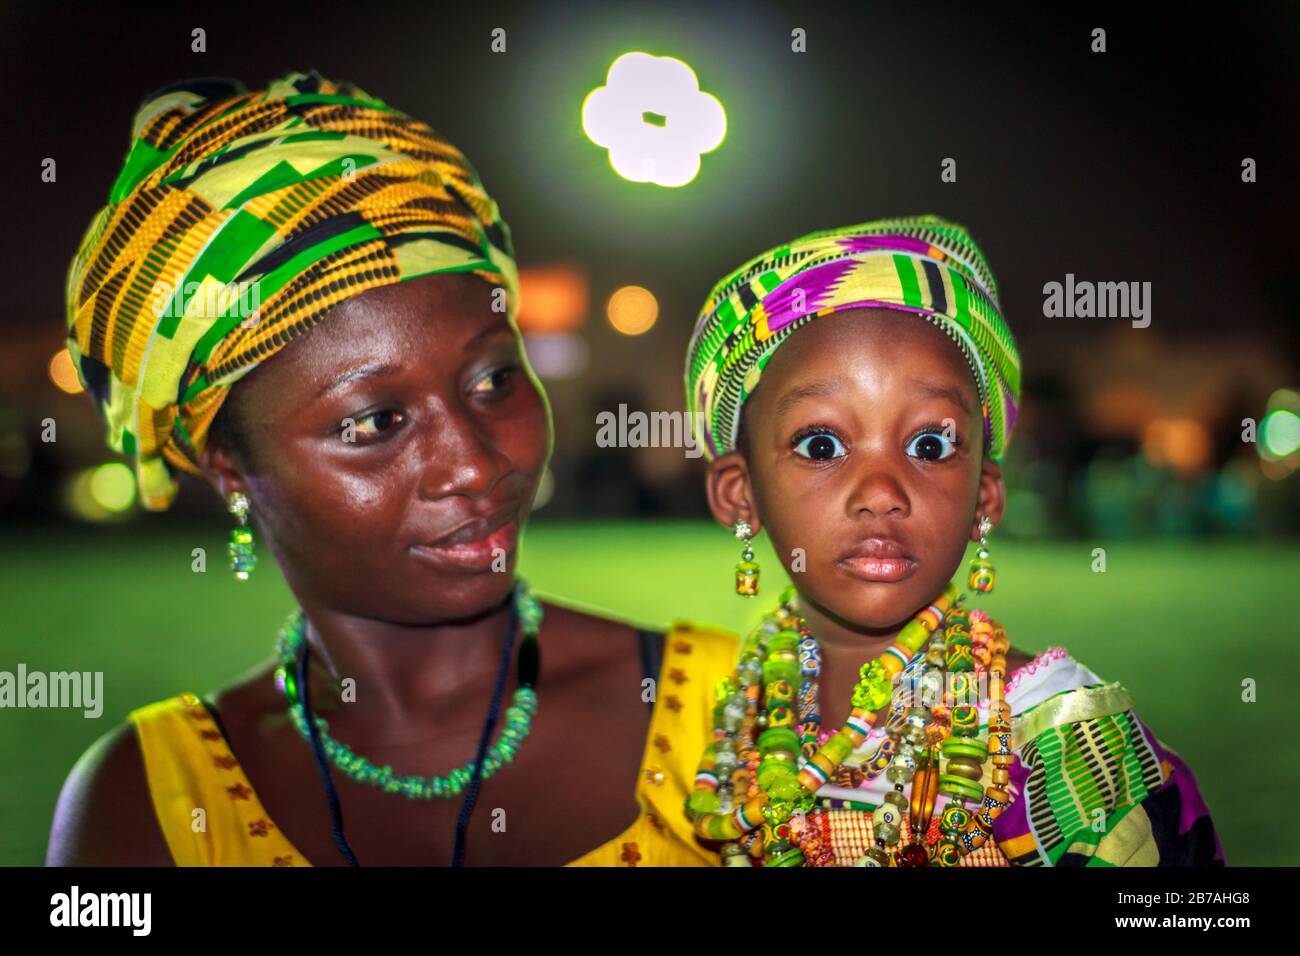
(63, 373)
(633, 310)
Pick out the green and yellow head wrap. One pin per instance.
(239, 219)
(920, 264)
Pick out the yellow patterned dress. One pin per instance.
(189, 764)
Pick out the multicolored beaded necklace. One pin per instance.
(769, 758)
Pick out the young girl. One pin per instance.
(857, 390)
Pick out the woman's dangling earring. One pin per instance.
(982, 574)
(747, 569)
(242, 558)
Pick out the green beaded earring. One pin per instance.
(982, 574)
(242, 557)
(747, 569)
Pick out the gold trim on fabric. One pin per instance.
(1131, 842)
(1083, 703)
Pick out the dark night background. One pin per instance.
(1122, 166)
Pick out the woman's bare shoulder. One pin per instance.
(578, 640)
(588, 624)
(105, 816)
(589, 618)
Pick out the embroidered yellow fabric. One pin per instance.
(211, 816)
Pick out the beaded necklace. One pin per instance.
(747, 790)
(357, 767)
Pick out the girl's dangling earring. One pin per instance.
(747, 569)
(242, 558)
(982, 574)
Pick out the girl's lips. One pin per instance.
(473, 555)
(879, 569)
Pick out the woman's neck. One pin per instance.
(403, 670)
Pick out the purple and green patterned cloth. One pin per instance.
(920, 264)
(1092, 784)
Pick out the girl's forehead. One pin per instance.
(876, 339)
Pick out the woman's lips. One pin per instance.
(879, 569)
(473, 555)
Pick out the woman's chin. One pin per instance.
(464, 596)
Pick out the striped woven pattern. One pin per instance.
(238, 220)
(920, 264)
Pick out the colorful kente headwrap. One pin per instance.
(239, 219)
(919, 264)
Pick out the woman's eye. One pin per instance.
(496, 379)
(374, 424)
(932, 446)
(820, 446)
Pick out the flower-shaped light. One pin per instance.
(654, 119)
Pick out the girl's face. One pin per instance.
(394, 451)
(864, 464)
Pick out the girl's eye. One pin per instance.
(375, 424)
(819, 446)
(494, 380)
(932, 445)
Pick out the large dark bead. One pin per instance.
(914, 854)
(530, 661)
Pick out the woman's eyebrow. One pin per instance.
(356, 374)
(799, 393)
(934, 390)
(488, 332)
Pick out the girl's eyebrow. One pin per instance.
(821, 388)
(799, 393)
(934, 390)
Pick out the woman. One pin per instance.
(875, 718)
(374, 415)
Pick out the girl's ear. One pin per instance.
(731, 498)
(992, 497)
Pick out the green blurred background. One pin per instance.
(1180, 623)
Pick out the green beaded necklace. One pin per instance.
(518, 716)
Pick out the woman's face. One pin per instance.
(394, 452)
(864, 435)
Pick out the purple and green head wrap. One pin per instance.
(919, 264)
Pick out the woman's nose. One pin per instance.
(460, 457)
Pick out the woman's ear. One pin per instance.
(731, 498)
(220, 469)
(992, 497)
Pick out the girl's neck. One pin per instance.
(845, 647)
(837, 635)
